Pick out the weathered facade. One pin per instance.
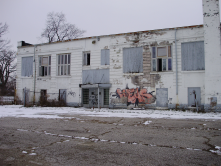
(165, 68)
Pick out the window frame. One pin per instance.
(160, 59)
(23, 67)
(63, 64)
(47, 68)
(86, 62)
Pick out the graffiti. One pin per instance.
(73, 94)
(93, 99)
(135, 96)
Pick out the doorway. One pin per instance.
(194, 96)
(162, 97)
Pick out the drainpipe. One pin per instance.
(34, 75)
(98, 98)
(176, 69)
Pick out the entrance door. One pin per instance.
(162, 97)
(194, 96)
(93, 97)
(26, 96)
(62, 95)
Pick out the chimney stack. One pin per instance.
(211, 21)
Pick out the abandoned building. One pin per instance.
(164, 68)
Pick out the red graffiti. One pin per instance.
(135, 96)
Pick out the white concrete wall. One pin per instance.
(118, 79)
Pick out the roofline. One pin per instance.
(119, 34)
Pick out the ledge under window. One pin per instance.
(27, 77)
(134, 74)
(63, 76)
(194, 71)
(161, 72)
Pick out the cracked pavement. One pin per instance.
(85, 140)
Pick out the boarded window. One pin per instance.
(133, 60)
(96, 76)
(106, 96)
(27, 66)
(193, 57)
(161, 51)
(105, 57)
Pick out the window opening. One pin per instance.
(64, 63)
(161, 58)
(86, 59)
(45, 66)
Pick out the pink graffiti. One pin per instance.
(135, 96)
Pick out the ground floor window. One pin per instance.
(106, 96)
(85, 96)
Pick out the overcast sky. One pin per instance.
(27, 18)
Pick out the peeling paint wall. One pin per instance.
(211, 18)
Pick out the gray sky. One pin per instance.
(27, 18)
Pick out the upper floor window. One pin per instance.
(193, 57)
(133, 60)
(86, 58)
(105, 57)
(44, 65)
(161, 58)
(64, 64)
(27, 66)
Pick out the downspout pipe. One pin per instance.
(176, 66)
(34, 75)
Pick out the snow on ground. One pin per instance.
(69, 112)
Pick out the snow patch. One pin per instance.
(147, 122)
(69, 113)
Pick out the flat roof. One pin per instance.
(119, 34)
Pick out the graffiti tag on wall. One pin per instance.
(135, 96)
(73, 94)
(94, 99)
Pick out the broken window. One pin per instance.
(64, 64)
(27, 66)
(86, 58)
(105, 57)
(133, 60)
(193, 57)
(44, 66)
(161, 58)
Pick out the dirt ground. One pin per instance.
(109, 141)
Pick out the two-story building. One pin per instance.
(164, 68)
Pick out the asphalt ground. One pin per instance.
(85, 140)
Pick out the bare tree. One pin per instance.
(3, 30)
(7, 57)
(57, 29)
